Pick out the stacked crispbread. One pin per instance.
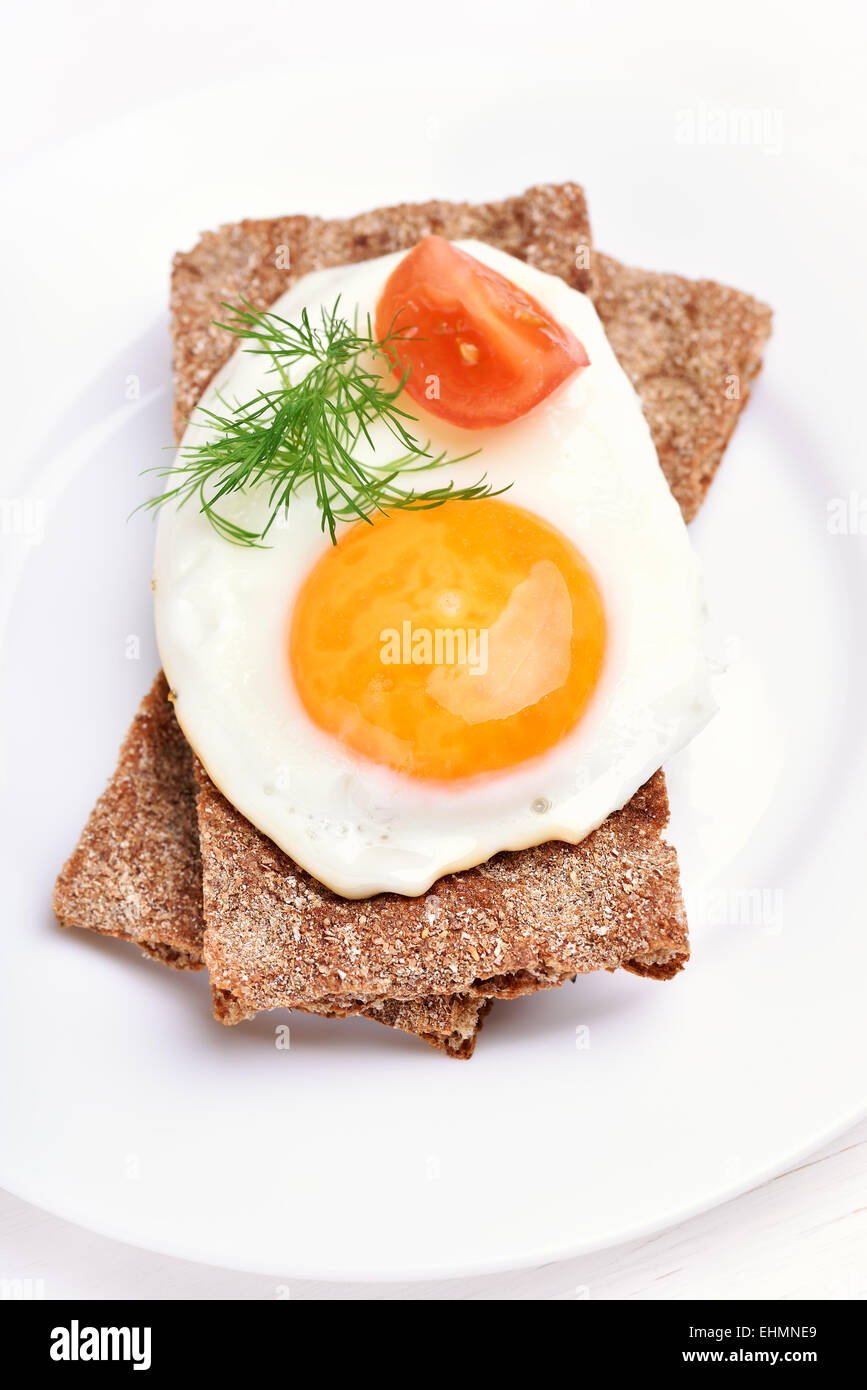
(166, 862)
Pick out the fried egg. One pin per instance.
(442, 685)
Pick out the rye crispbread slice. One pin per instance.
(273, 934)
(691, 349)
(276, 937)
(680, 341)
(136, 873)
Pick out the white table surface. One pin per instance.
(70, 68)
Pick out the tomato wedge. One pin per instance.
(479, 350)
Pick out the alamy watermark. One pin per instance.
(440, 646)
(760, 908)
(23, 517)
(759, 127)
(77, 1343)
(847, 516)
(21, 1290)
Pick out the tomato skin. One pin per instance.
(480, 352)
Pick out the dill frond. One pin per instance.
(309, 430)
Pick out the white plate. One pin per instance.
(358, 1153)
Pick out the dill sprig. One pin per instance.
(309, 430)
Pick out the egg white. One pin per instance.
(585, 462)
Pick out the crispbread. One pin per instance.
(136, 874)
(668, 336)
(276, 937)
(691, 349)
(449, 1022)
(681, 342)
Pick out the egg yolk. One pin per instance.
(448, 643)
